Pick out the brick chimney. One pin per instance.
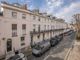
(24, 6)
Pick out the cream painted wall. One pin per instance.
(7, 20)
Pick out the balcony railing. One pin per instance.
(14, 33)
(44, 31)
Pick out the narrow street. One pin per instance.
(58, 52)
(39, 29)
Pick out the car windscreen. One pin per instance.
(38, 47)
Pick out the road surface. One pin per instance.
(59, 51)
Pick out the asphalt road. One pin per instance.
(58, 52)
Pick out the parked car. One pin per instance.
(69, 32)
(57, 38)
(61, 37)
(53, 41)
(41, 47)
(66, 33)
(19, 56)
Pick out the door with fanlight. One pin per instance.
(9, 45)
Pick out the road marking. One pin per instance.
(66, 57)
(47, 57)
(68, 53)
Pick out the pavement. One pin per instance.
(75, 52)
(59, 51)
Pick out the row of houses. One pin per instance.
(21, 28)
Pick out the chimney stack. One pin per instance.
(24, 6)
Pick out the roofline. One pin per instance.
(10, 6)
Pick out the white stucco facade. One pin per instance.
(47, 25)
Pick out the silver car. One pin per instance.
(41, 47)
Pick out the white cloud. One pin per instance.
(64, 12)
(67, 12)
(52, 4)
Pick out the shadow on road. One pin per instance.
(54, 58)
(65, 44)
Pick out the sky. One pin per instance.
(60, 8)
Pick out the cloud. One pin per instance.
(68, 11)
(53, 4)
(25, 1)
(55, 8)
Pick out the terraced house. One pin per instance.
(21, 28)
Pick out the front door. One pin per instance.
(9, 45)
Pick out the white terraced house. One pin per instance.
(20, 27)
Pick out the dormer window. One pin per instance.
(23, 16)
(14, 14)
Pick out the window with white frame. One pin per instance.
(22, 41)
(14, 14)
(38, 18)
(23, 16)
(34, 27)
(14, 30)
(34, 17)
(22, 38)
(48, 27)
(44, 27)
(24, 29)
(39, 28)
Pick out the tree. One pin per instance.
(77, 19)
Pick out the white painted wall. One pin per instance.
(7, 20)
